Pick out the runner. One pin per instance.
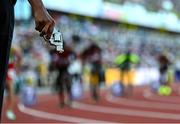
(124, 63)
(60, 62)
(92, 56)
(166, 76)
(13, 66)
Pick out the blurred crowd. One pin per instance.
(92, 49)
(116, 38)
(153, 5)
(80, 34)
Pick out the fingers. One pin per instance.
(44, 30)
(50, 30)
(47, 30)
(39, 26)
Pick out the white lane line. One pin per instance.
(128, 112)
(57, 117)
(141, 103)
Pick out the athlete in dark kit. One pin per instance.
(44, 24)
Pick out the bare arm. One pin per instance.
(44, 22)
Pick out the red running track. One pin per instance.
(138, 108)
